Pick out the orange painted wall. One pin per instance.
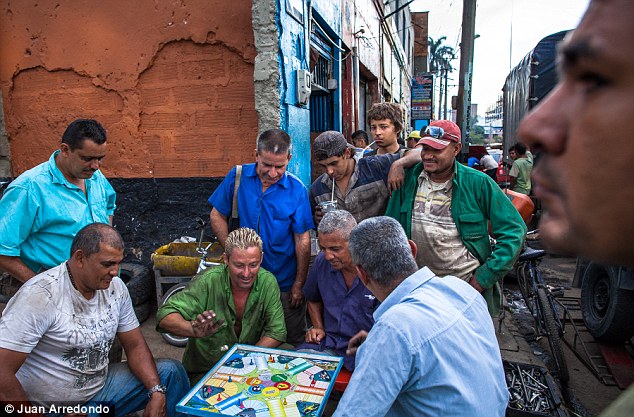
(171, 81)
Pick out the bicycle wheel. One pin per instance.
(554, 338)
(168, 337)
(524, 282)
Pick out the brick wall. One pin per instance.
(171, 82)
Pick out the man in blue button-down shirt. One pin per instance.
(432, 350)
(274, 203)
(45, 207)
(339, 304)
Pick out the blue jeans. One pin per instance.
(127, 394)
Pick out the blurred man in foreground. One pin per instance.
(588, 209)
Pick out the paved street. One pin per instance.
(587, 395)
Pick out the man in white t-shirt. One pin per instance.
(56, 333)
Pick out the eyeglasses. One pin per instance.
(437, 132)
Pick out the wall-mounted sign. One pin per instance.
(422, 96)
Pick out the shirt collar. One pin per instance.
(251, 171)
(424, 175)
(58, 176)
(403, 289)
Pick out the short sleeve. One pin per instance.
(19, 211)
(222, 197)
(22, 324)
(514, 172)
(303, 217)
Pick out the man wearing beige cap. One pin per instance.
(445, 209)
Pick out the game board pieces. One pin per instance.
(286, 367)
(251, 361)
(230, 380)
(219, 398)
(285, 402)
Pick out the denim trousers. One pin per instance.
(127, 394)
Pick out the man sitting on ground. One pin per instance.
(339, 305)
(237, 302)
(56, 333)
(432, 350)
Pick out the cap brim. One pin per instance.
(433, 142)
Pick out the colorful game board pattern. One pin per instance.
(251, 381)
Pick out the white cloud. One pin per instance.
(529, 20)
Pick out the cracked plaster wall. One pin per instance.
(171, 81)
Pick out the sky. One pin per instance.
(526, 22)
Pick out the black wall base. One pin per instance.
(153, 212)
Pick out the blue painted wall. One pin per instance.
(294, 49)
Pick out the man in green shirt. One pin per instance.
(237, 302)
(521, 170)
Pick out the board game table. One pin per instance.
(251, 381)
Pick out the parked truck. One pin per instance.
(607, 292)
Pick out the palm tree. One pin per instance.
(440, 57)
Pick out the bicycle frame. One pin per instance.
(541, 303)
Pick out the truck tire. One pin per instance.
(168, 337)
(607, 309)
(137, 278)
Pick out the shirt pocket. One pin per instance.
(473, 226)
(280, 229)
(98, 207)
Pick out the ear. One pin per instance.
(413, 247)
(346, 153)
(64, 149)
(79, 257)
(457, 148)
(363, 276)
(255, 154)
(225, 259)
(289, 156)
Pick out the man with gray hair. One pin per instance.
(339, 305)
(274, 203)
(435, 333)
(237, 302)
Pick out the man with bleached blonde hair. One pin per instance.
(204, 311)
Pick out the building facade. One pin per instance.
(183, 89)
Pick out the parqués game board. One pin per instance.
(251, 381)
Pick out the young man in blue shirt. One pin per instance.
(274, 203)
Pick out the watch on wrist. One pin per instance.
(157, 388)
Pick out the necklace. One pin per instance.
(72, 281)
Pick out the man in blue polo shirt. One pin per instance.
(339, 304)
(274, 203)
(45, 207)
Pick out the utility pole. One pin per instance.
(463, 113)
